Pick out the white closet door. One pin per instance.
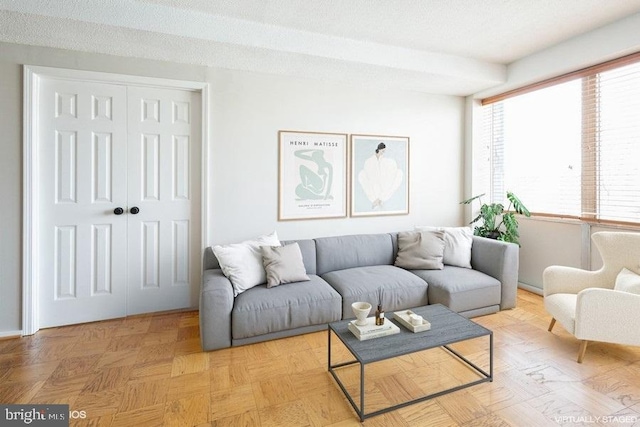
(164, 176)
(107, 146)
(82, 156)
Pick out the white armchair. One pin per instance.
(585, 302)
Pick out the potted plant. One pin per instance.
(498, 223)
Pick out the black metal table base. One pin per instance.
(484, 377)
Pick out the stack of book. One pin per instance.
(371, 330)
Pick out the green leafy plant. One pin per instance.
(496, 221)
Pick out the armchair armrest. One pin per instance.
(216, 303)
(608, 316)
(499, 260)
(558, 279)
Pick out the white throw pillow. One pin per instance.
(457, 244)
(628, 281)
(242, 262)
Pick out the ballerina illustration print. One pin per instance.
(380, 178)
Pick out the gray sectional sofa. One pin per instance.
(346, 269)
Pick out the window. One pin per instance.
(569, 147)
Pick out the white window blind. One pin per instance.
(570, 148)
(616, 130)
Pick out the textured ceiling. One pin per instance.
(453, 46)
(491, 30)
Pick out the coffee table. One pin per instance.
(447, 327)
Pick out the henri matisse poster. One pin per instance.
(312, 177)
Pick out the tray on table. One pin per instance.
(403, 317)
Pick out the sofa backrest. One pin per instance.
(349, 251)
(209, 261)
(308, 250)
(326, 254)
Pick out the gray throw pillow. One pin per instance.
(283, 264)
(421, 250)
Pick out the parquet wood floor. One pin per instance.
(150, 371)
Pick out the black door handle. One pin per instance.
(118, 211)
(134, 210)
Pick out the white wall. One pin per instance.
(247, 110)
(547, 242)
(10, 194)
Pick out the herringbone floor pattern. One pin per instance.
(150, 371)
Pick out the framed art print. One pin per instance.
(312, 175)
(379, 175)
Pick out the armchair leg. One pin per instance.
(553, 322)
(583, 349)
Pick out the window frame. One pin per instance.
(589, 143)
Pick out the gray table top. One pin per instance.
(447, 327)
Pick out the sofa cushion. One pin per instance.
(563, 307)
(283, 264)
(261, 311)
(460, 288)
(401, 288)
(342, 252)
(420, 250)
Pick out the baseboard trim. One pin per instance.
(10, 334)
(530, 288)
